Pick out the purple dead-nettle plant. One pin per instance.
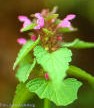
(44, 60)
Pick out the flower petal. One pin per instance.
(70, 17)
(26, 21)
(66, 21)
(21, 41)
(40, 21)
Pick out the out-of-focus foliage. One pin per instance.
(83, 7)
(90, 10)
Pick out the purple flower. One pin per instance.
(25, 21)
(40, 21)
(21, 41)
(70, 17)
(66, 21)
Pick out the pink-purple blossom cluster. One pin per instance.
(65, 23)
(42, 21)
(26, 21)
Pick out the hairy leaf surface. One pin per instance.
(25, 68)
(55, 63)
(25, 50)
(61, 94)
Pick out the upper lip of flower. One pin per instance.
(66, 21)
(26, 21)
(40, 21)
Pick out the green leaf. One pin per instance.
(29, 27)
(55, 63)
(61, 94)
(22, 95)
(77, 43)
(25, 70)
(51, 16)
(57, 21)
(47, 32)
(65, 30)
(25, 50)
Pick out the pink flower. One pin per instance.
(33, 38)
(70, 17)
(25, 21)
(66, 21)
(21, 41)
(40, 21)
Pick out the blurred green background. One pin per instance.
(9, 32)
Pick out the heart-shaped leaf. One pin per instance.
(61, 94)
(55, 63)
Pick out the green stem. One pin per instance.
(81, 74)
(47, 103)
